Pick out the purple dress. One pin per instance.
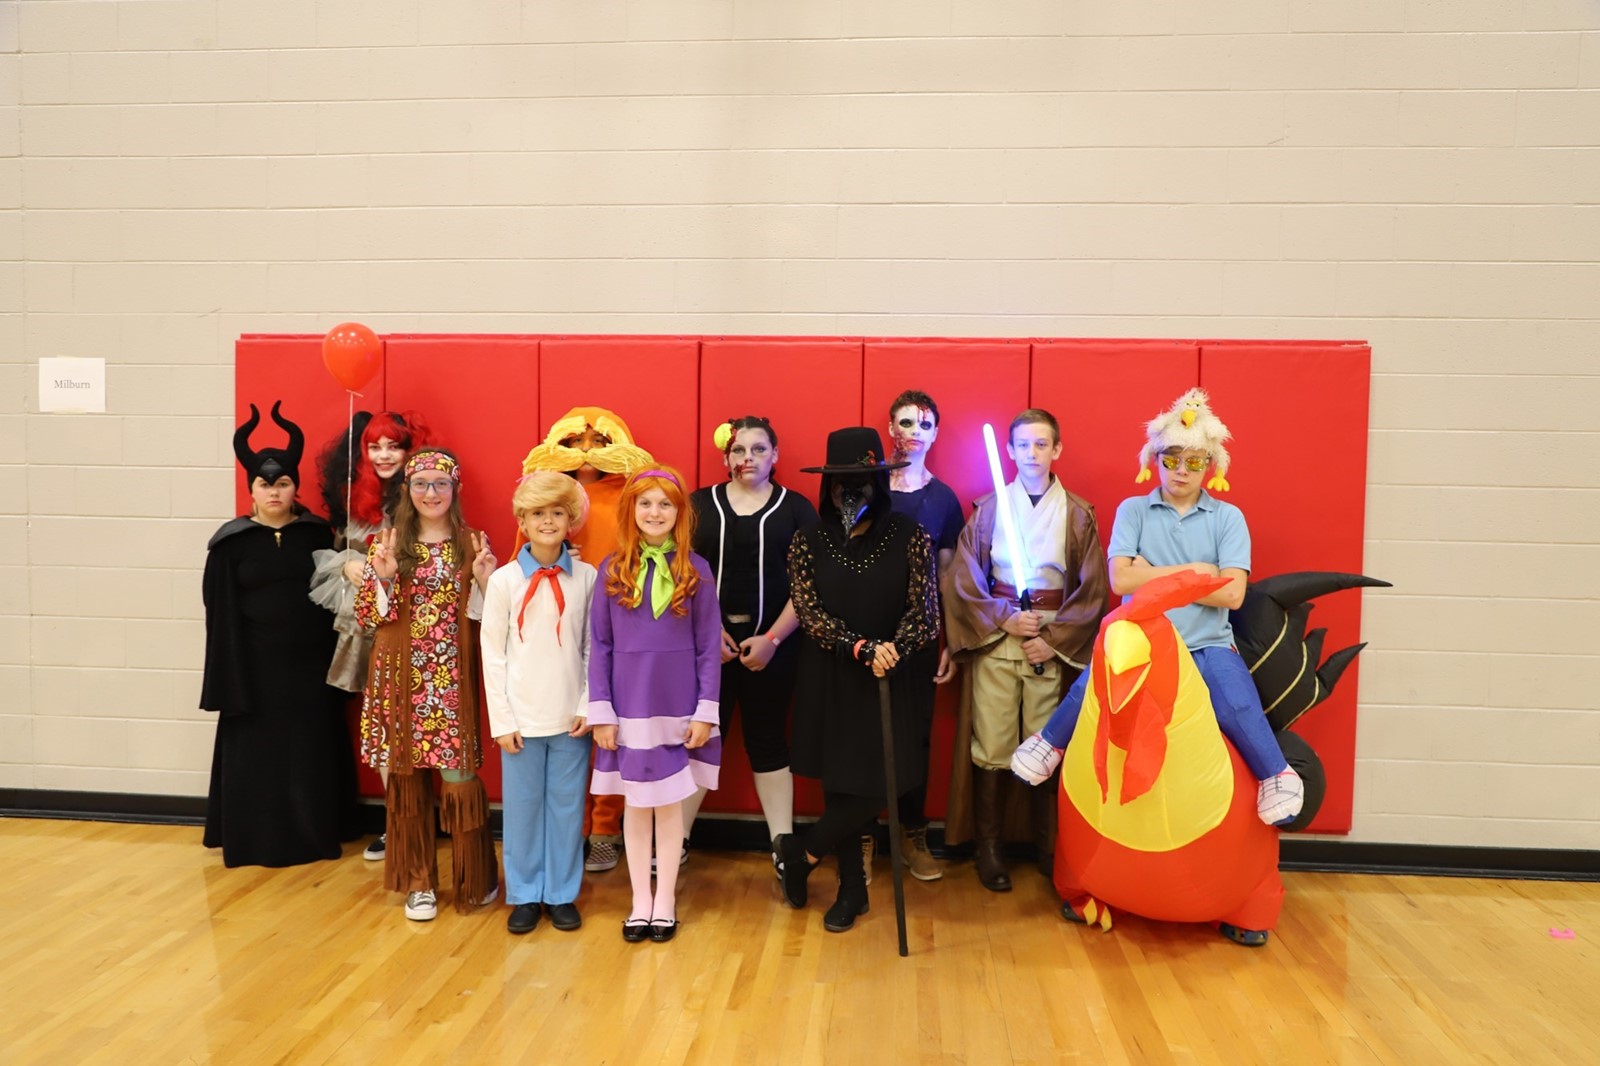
(651, 677)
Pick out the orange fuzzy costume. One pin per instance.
(593, 441)
(1157, 811)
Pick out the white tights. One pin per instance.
(667, 823)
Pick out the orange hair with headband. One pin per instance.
(622, 574)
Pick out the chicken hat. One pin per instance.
(1188, 423)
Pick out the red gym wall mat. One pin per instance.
(492, 398)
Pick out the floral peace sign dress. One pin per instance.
(434, 661)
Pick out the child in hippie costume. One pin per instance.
(655, 675)
(420, 710)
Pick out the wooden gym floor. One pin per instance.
(131, 944)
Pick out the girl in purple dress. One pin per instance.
(655, 674)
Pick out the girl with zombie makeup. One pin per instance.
(282, 781)
(421, 591)
(655, 675)
(916, 493)
(866, 590)
(743, 528)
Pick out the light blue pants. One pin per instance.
(543, 788)
(1233, 697)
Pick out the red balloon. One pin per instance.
(352, 353)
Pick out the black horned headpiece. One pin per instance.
(269, 464)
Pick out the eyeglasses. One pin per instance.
(1195, 464)
(926, 425)
(422, 487)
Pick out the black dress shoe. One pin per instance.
(635, 929)
(565, 916)
(663, 929)
(524, 917)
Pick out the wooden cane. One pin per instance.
(884, 707)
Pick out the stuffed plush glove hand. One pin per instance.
(1035, 760)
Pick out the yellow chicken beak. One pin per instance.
(1188, 417)
(1127, 652)
(1127, 648)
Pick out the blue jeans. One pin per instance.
(544, 787)
(1233, 697)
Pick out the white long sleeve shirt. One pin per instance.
(534, 684)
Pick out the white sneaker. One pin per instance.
(493, 894)
(422, 906)
(1279, 799)
(374, 851)
(1035, 760)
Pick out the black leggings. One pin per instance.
(843, 817)
(763, 698)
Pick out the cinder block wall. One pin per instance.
(1420, 174)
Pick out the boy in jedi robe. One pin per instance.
(1019, 662)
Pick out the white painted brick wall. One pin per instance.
(1421, 174)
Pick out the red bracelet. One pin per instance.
(772, 637)
(855, 652)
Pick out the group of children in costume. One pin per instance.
(649, 647)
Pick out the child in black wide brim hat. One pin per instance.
(855, 478)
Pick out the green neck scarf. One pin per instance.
(661, 586)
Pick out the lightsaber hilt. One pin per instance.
(1025, 601)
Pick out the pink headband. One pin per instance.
(658, 473)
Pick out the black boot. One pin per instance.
(989, 856)
(852, 899)
(1042, 810)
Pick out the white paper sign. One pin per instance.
(72, 385)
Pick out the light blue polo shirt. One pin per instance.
(1212, 532)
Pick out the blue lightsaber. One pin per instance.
(1008, 527)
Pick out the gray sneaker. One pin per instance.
(422, 906)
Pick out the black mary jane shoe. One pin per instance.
(663, 929)
(524, 918)
(635, 930)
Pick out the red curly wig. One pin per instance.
(370, 496)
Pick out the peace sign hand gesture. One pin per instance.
(384, 562)
(483, 560)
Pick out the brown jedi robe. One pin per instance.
(973, 615)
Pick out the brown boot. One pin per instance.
(1042, 813)
(989, 856)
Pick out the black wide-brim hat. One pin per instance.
(854, 450)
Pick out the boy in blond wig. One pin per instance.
(535, 641)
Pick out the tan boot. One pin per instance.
(918, 859)
(989, 855)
